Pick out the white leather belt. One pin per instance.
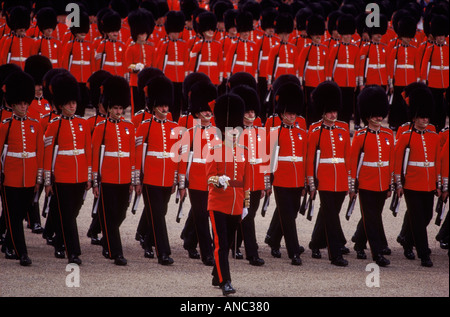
(421, 164)
(113, 63)
(376, 164)
(54, 61)
(208, 64)
(264, 58)
(21, 154)
(433, 67)
(405, 66)
(332, 160)
(81, 62)
(161, 155)
(71, 152)
(18, 59)
(316, 67)
(290, 159)
(244, 63)
(117, 154)
(376, 66)
(345, 65)
(255, 161)
(199, 160)
(175, 63)
(286, 65)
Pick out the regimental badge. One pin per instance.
(32, 129)
(126, 131)
(80, 126)
(172, 132)
(258, 137)
(340, 137)
(47, 107)
(387, 141)
(300, 137)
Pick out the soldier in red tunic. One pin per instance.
(172, 58)
(67, 166)
(45, 44)
(372, 165)
(21, 163)
(418, 177)
(113, 159)
(327, 169)
(196, 143)
(160, 167)
(227, 171)
(17, 47)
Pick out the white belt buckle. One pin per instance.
(293, 159)
(380, 164)
(24, 154)
(75, 152)
(334, 160)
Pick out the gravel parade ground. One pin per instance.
(143, 277)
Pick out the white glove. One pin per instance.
(223, 181)
(139, 67)
(244, 213)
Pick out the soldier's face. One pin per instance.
(376, 121)
(316, 39)
(113, 35)
(346, 38)
(421, 123)
(270, 31)
(161, 112)
(116, 112)
(69, 108)
(47, 32)
(440, 39)
(330, 117)
(289, 117)
(244, 35)
(20, 108)
(376, 38)
(21, 32)
(249, 117)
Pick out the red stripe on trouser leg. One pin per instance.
(216, 246)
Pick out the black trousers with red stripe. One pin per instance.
(224, 228)
(17, 202)
(156, 200)
(112, 208)
(65, 206)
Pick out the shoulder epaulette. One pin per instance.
(387, 131)
(46, 115)
(79, 117)
(146, 121)
(99, 123)
(6, 120)
(431, 131)
(406, 124)
(339, 127)
(361, 132)
(444, 129)
(408, 131)
(315, 129)
(55, 119)
(33, 119)
(139, 112)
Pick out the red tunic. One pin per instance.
(78, 59)
(311, 64)
(25, 153)
(231, 162)
(378, 162)
(424, 164)
(334, 164)
(207, 57)
(119, 158)
(74, 154)
(162, 157)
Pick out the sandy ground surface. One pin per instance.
(190, 278)
(144, 277)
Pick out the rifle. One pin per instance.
(395, 202)
(188, 169)
(440, 208)
(351, 204)
(310, 203)
(273, 167)
(100, 163)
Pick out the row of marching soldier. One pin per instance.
(315, 42)
(285, 110)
